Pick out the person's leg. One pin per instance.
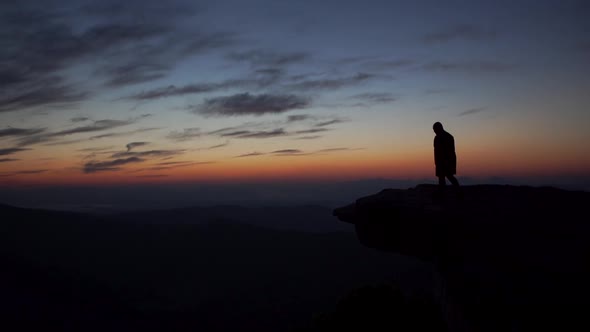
(453, 180)
(439, 193)
(456, 188)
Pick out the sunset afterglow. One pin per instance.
(151, 92)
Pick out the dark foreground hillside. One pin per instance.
(507, 258)
(494, 258)
(164, 272)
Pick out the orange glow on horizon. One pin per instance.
(353, 165)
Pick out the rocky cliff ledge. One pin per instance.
(509, 258)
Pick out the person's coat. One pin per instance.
(445, 158)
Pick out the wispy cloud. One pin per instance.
(248, 104)
(217, 146)
(117, 159)
(16, 132)
(7, 151)
(172, 165)
(337, 150)
(265, 134)
(330, 122)
(248, 126)
(299, 117)
(152, 176)
(288, 152)
(472, 111)
(96, 149)
(133, 73)
(376, 97)
(111, 165)
(235, 133)
(251, 154)
(133, 145)
(79, 119)
(100, 125)
(330, 83)
(297, 152)
(250, 130)
(316, 121)
(140, 42)
(124, 133)
(173, 90)
(149, 153)
(24, 172)
(5, 160)
(312, 131)
(255, 134)
(268, 58)
(291, 126)
(41, 93)
(259, 78)
(31, 171)
(185, 135)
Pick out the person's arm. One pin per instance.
(436, 152)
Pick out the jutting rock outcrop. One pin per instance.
(508, 257)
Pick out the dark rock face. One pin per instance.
(396, 221)
(509, 258)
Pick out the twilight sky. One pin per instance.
(98, 92)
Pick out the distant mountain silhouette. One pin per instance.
(309, 218)
(508, 258)
(177, 270)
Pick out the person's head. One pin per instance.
(437, 127)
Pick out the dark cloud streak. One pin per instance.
(268, 58)
(8, 151)
(168, 166)
(124, 133)
(376, 98)
(15, 132)
(299, 117)
(185, 135)
(149, 153)
(133, 145)
(79, 119)
(252, 154)
(24, 172)
(264, 134)
(40, 42)
(260, 78)
(472, 111)
(217, 146)
(248, 104)
(99, 125)
(311, 131)
(329, 122)
(330, 83)
(111, 165)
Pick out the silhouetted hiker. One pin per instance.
(445, 158)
